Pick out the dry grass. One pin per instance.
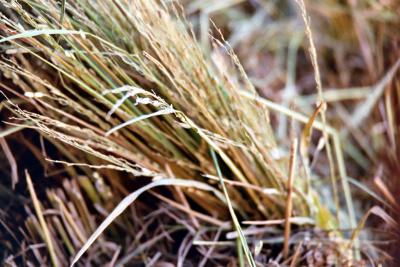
(123, 99)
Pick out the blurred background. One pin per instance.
(358, 49)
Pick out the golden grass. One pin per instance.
(131, 101)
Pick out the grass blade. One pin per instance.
(128, 200)
(42, 221)
(34, 33)
(289, 203)
(242, 238)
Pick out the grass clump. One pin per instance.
(127, 100)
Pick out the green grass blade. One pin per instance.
(34, 33)
(235, 220)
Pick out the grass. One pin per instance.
(166, 143)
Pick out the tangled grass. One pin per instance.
(126, 100)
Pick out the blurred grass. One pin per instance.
(129, 92)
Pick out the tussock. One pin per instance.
(131, 101)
